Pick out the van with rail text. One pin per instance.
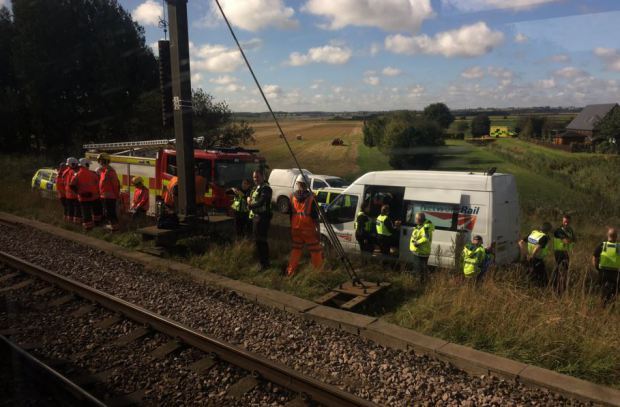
(460, 205)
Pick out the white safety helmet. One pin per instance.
(302, 180)
(72, 161)
(84, 162)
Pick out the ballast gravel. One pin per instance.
(384, 376)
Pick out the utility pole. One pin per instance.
(182, 105)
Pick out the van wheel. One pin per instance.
(284, 206)
(328, 248)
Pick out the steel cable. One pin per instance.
(342, 256)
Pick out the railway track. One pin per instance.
(251, 370)
(28, 381)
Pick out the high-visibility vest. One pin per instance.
(301, 216)
(382, 229)
(168, 194)
(67, 178)
(109, 187)
(473, 259)
(264, 208)
(533, 240)
(60, 183)
(87, 184)
(367, 225)
(422, 235)
(239, 203)
(610, 256)
(141, 198)
(560, 246)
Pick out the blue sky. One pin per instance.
(346, 55)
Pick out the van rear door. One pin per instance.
(341, 215)
(440, 207)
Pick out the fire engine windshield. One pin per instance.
(230, 173)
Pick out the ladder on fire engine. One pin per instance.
(127, 145)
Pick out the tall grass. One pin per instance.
(570, 333)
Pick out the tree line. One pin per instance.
(77, 71)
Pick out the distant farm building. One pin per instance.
(499, 131)
(582, 128)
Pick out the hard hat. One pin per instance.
(137, 181)
(103, 157)
(72, 161)
(84, 162)
(301, 180)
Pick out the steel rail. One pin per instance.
(286, 377)
(49, 378)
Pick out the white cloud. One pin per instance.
(547, 83)
(223, 80)
(372, 80)
(329, 54)
(389, 15)
(375, 48)
(521, 38)
(230, 88)
(501, 73)
(272, 91)
(570, 72)
(468, 41)
(477, 5)
(610, 56)
(416, 91)
(196, 78)
(254, 15)
(215, 58)
(559, 58)
(475, 72)
(148, 13)
(254, 43)
(390, 71)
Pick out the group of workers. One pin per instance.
(90, 197)
(605, 259)
(252, 211)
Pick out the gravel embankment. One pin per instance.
(85, 348)
(385, 376)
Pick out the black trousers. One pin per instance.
(385, 242)
(538, 272)
(243, 225)
(260, 229)
(109, 207)
(87, 212)
(366, 243)
(97, 210)
(610, 284)
(73, 208)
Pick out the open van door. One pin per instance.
(440, 207)
(341, 214)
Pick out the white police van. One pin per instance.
(460, 205)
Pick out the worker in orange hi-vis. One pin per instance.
(304, 227)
